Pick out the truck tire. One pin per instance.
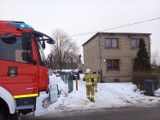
(1, 116)
(15, 116)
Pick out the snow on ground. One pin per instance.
(61, 85)
(109, 95)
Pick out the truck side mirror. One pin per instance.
(26, 41)
(50, 41)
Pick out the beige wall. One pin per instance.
(124, 53)
(91, 54)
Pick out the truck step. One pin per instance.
(23, 107)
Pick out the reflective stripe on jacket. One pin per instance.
(87, 78)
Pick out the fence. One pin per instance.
(68, 79)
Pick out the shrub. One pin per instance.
(139, 78)
(142, 59)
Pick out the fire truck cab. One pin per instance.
(24, 81)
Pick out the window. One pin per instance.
(134, 43)
(111, 43)
(11, 48)
(42, 54)
(113, 64)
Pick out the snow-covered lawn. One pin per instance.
(109, 95)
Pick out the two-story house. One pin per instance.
(113, 54)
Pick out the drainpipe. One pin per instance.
(100, 58)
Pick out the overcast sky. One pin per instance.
(81, 16)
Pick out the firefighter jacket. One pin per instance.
(95, 77)
(87, 78)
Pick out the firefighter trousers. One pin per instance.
(90, 92)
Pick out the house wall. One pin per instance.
(124, 53)
(91, 54)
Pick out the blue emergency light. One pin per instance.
(19, 24)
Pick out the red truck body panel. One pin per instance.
(31, 78)
(26, 79)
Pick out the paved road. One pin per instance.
(126, 113)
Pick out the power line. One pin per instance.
(121, 26)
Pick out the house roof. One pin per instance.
(114, 33)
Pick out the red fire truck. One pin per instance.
(24, 81)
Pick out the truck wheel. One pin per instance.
(15, 116)
(1, 116)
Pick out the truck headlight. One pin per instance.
(45, 102)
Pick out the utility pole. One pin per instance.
(100, 58)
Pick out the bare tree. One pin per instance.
(64, 50)
(155, 58)
(155, 61)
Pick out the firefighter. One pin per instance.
(89, 85)
(95, 76)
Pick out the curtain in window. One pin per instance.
(108, 43)
(114, 43)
